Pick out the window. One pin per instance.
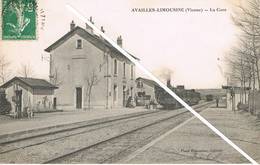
(140, 94)
(139, 84)
(79, 44)
(132, 72)
(115, 67)
(115, 94)
(124, 69)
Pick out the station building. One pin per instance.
(90, 72)
(235, 96)
(145, 87)
(36, 94)
(145, 91)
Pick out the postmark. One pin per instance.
(19, 19)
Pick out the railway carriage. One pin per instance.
(191, 97)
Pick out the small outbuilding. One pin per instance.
(145, 89)
(29, 93)
(235, 96)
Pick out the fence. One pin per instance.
(254, 103)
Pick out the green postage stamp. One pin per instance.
(19, 19)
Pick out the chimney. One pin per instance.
(120, 41)
(88, 28)
(72, 25)
(102, 29)
(168, 83)
(91, 20)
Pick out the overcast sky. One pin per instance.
(187, 43)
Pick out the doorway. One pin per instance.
(54, 103)
(124, 96)
(115, 95)
(78, 97)
(18, 105)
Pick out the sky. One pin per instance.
(192, 45)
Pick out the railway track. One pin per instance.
(123, 144)
(30, 141)
(68, 127)
(32, 149)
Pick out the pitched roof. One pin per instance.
(31, 82)
(92, 38)
(147, 81)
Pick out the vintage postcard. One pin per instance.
(129, 82)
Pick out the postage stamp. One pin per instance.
(19, 19)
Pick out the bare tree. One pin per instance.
(56, 78)
(241, 68)
(247, 18)
(92, 80)
(26, 71)
(4, 66)
(243, 60)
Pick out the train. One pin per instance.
(190, 96)
(209, 97)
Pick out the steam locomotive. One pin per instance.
(190, 96)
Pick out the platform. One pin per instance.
(9, 125)
(194, 142)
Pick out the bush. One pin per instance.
(5, 105)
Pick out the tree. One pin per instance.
(239, 70)
(26, 71)
(92, 80)
(4, 66)
(243, 59)
(56, 78)
(247, 19)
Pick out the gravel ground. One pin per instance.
(240, 127)
(41, 120)
(4, 119)
(52, 149)
(196, 143)
(115, 150)
(7, 147)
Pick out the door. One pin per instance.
(54, 103)
(78, 97)
(18, 105)
(124, 95)
(115, 95)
